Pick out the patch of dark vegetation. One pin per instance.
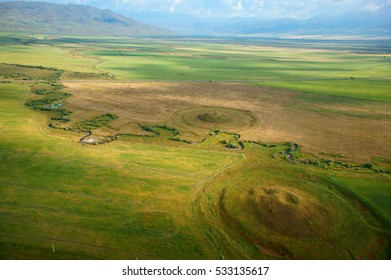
(332, 155)
(174, 132)
(61, 119)
(86, 76)
(148, 128)
(262, 144)
(224, 142)
(45, 104)
(293, 154)
(381, 165)
(214, 132)
(235, 145)
(176, 139)
(97, 122)
(24, 72)
(213, 117)
(51, 94)
(291, 198)
(56, 77)
(36, 67)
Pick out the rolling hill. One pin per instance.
(42, 17)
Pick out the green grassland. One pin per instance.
(34, 53)
(155, 195)
(117, 201)
(372, 89)
(375, 192)
(340, 72)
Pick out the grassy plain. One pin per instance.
(192, 169)
(122, 200)
(291, 64)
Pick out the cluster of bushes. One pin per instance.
(176, 139)
(148, 128)
(36, 67)
(61, 118)
(42, 91)
(56, 77)
(97, 122)
(214, 132)
(42, 104)
(51, 88)
(266, 145)
(152, 128)
(332, 155)
(17, 76)
(309, 159)
(235, 145)
(51, 93)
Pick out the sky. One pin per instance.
(270, 9)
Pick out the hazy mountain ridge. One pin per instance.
(42, 17)
(378, 23)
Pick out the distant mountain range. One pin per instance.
(42, 17)
(357, 23)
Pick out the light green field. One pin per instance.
(376, 193)
(118, 201)
(311, 70)
(45, 55)
(148, 192)
(372, 89)
(205, 61)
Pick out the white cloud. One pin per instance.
(171, 8)
(371, 7)
(238, 7)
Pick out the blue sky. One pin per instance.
(229, 8)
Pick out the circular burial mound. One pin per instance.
(288, 212)
(268, 211)
(214, 117)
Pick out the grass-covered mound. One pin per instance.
(263, 208)
(288, 211)
(207, 117)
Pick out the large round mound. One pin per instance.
(265, 210)
(214, 117)
(288, 211)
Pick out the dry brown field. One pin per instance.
(281, 115)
